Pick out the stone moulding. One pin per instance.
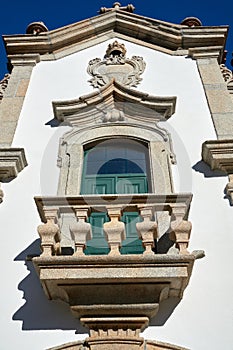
(12, 161)
(206, 52)
(162, 35)
(115, 111)
(218, 154)
(147, 345)
(114, 96)
(161, 202)
(99, 289)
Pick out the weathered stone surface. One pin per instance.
(218, 97)
(13, 98)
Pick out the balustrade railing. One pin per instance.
(51, 209)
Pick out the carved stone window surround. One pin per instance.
(103, 115)
(71, 157)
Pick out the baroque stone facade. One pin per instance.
(117, 293)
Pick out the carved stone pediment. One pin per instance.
(116, 66)
(115, 103)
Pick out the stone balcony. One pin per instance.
(115, 291)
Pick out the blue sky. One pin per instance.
(16, 15)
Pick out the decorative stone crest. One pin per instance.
(116, 66)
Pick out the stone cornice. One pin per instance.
(169, 201)
(134, 27)
(114, 97)
(12, 161)
(218, 154)
(24, 59)
(205, 52)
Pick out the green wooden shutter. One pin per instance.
(130, 177)
(98, 244)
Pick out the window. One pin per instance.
(117, 166)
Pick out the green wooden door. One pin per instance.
(115, 168)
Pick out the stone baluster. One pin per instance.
(50, 234)
(180, 229)
(81, 230)
(147, 229)
(114, 230)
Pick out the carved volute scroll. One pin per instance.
(116, 66)
(3, 85)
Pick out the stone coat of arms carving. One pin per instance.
(116, 66)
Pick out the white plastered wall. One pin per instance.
(203, 319)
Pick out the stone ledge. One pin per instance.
(12, 161)
(218, 154)
(112, 287)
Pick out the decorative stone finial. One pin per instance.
(35, 28)
(191, 22)
(117, 6)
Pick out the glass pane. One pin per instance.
(120, 166)
(93, 167)
(96, 153)
(116, 157)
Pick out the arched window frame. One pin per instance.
(73, 144)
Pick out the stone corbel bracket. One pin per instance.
(218, 154)
(12, 162)
(102, 285)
